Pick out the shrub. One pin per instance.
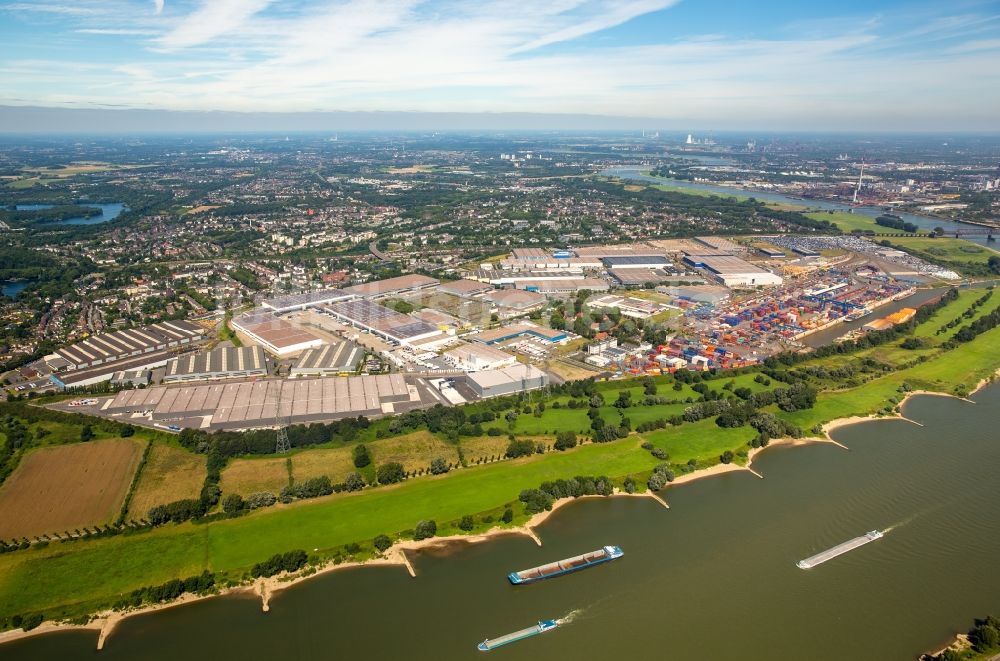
(629, 485)
(390, 473)
(659, 453)
(726, 457)
(519, 448)
(361, 456)
(655, 482)
(354, 482)
(290, 561)
(565, 440)
(232, 504)
(466, 523)
(260, 499)
(439, 466)
(382, 543)
(508, 515)
(425, 529)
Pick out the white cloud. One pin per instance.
(516, 55)
(157, 7)
(212, 19)
(49, 8)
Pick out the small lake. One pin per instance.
(109, 212)
(11, 288)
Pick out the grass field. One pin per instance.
(93, 574)
(335, 463)
(848, 222)
(702, 440)
(67, 487)
(955, 251)
(483, 447)
(169, 474)
(247, 476)
(414, 451)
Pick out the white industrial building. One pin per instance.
(507, 381)
(476, 357)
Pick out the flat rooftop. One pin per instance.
(219, 360)
(391, 285)
(340, 356)
(293, 301)
(276, 332)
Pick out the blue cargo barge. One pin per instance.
(553, 569)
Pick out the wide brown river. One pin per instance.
(714, 577)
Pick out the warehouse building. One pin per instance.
(507, 381)
(278, 336)
(476, 357)
(340, 358)
(105, 348)
(250, 405)
(380, 320)
(465, 288)
(99, 357)
(513, 302)
(515, 331)
(733, 271)
(636, 308)
(404, 284)
(302, 301)
(218, 363)
(636, 262)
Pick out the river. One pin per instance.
(925, 223)
(714, 577)
(109, 212)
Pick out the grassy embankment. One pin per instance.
(75, 578)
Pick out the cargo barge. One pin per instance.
(541, 627)
(839, 549)
(553, 569)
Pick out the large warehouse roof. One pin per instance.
(341, 356)
(277, 335)
(382, 320)
(218, 362)
(106, 347)
(249, 405)
(392, 285)
(300, 301)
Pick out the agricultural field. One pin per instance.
(414, 451)
(335, 463)
(62, 488)
(247, 476)
(169, 474)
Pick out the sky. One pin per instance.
(717, 64)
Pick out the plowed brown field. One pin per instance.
(67, 487)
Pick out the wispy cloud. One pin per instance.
(524, 55)
(157, 7)
(49, 8)
(211, 19)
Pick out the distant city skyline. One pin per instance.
(886, 65)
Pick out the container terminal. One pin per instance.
(839, 549)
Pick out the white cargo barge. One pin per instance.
(839, 549)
